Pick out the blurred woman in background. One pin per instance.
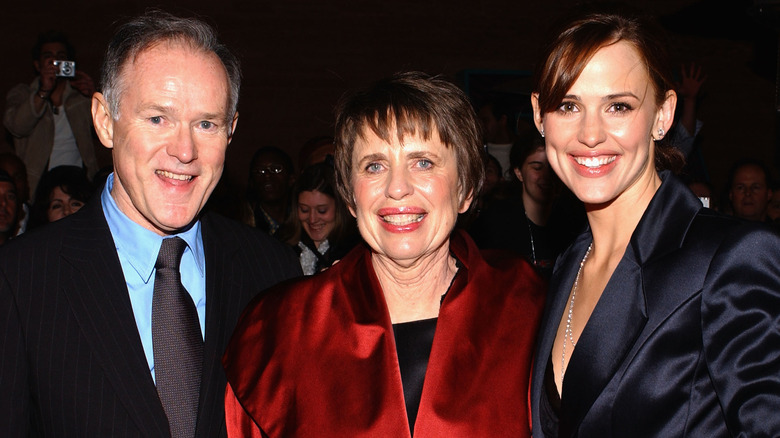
(61, 192)
(323, 230)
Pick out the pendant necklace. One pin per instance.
(568, 333)
(531, 233)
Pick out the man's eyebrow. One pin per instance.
(156, 108)
(165, 109)
(214, 116)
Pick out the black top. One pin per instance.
(413, 342)
(336, 251)
(504, 225)
(550, 406)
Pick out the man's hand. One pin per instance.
(48, 77)
(83, 83)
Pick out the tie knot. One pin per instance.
(170, 253)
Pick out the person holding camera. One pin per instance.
(50, 118)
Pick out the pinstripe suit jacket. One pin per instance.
(71, 360)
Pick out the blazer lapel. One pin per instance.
(610, 333)
(615, 328)
(223, 292)
(94, 284)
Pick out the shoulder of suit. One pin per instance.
(229, 230)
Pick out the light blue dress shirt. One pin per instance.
(137, 248)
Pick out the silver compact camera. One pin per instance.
(65, 69)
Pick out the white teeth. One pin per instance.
(177, 176)
(592, 162)
(403, 219)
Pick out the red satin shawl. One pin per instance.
(317, 357)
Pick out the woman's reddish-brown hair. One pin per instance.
(573, 44)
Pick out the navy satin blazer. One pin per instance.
(685, 340)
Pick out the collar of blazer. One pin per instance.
(623, 306)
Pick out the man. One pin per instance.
(271, 177)
(82, 323)
(9, 207)
(14, 167)
(498, 120)
(50, 117)
(749, 190)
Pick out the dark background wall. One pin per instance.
(300, 56)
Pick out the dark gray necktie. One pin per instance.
(177, 342)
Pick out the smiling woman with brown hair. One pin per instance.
(414, 332)
(662, 317)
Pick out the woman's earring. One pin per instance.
(542, 132)
(661, 133)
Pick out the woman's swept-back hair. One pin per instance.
(577, 39)
(410, 104)
(579, 36)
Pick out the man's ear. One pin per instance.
(101, 118)
(233, 127)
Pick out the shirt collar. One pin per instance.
(140, 246)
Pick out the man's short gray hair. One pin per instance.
(154, 27)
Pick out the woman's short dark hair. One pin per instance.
(410, 103)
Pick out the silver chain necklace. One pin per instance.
(568, 333)
(531, 233)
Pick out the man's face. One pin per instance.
(19, 174)
(749, 193)
(488, 121)
(9, 208)
(49, 53)
(170, 138)
(271, 178)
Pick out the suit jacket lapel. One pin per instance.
(222, 289)
(94, 284)
(615, 328)
(610, 333)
